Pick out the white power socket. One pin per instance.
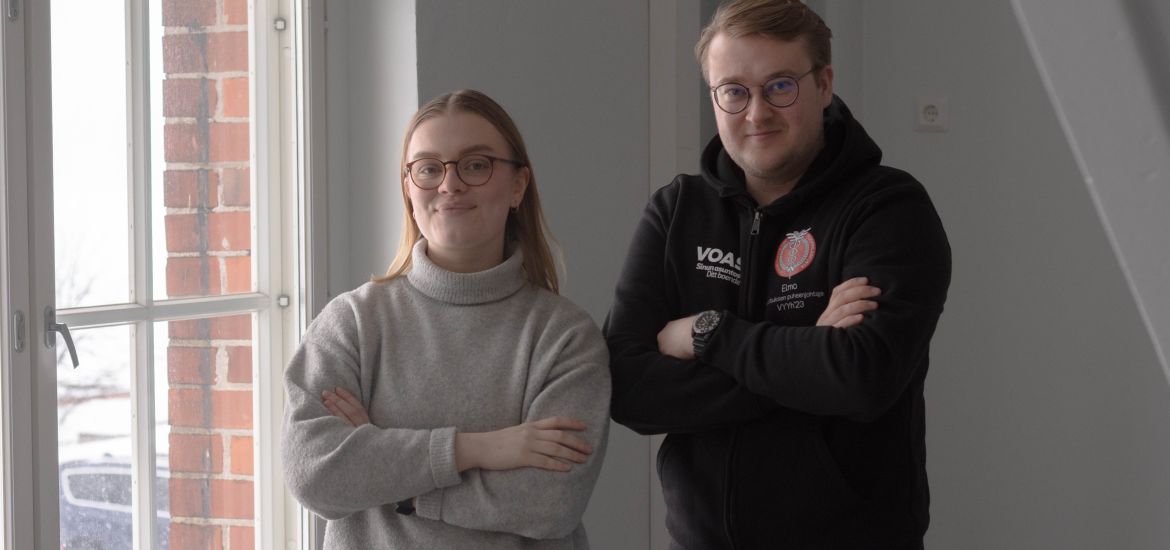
(930, 114)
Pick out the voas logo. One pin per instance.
(717, 256)
(718, 265)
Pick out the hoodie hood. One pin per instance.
(848, 149)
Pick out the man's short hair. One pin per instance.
(787, 20)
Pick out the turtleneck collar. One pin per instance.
(481, 287)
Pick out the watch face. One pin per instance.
(706, 322)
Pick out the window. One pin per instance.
(154, 233)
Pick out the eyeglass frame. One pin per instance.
(444, 163)
(795, 97)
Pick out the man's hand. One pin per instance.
(848, 302)
(846, 305)
(675, 338)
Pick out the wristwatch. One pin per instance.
(703, 328)
(405, 507)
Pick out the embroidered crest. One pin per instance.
(795, 253)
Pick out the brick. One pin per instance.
(229, 142)
(191, 276)
(229, 231)
(188, 13)
(236, 186)
(190, 408)
(242, 455)
(239, 364)
(243, 538)
(190, 189)
(227, 51)
(236, 327)
(185, 142)
(185, 53)
(231, 409)
(183, 536)
(190, 498)
(191, 329)
(239, 274)
(196, 453)
(189, 97)
(186, 232)
(235, 13)
(190, 365)
(235, 97)
(232, 499)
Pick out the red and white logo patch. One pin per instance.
(795, 253)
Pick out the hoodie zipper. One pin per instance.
(748, 257)
(745, 311)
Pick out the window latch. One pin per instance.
(52, 326)
(12, 9)
(18, 331)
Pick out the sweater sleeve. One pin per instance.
(532, 502)
(333, 468)
(656, 393)
(857, 372)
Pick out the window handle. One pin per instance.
(51, 341)
(12, 9)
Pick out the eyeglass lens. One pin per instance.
(733, 98)
(472, 169)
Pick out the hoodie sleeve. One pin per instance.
(898, 242)
(533, 502)
(333, 468)
(655, 393)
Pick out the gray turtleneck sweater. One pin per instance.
(430, 354)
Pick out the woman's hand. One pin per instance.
(848, 302)
(345, 406)
(547, 444)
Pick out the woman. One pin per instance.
(459, 401)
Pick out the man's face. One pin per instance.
(772, 145)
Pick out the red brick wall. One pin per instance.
(208, 233)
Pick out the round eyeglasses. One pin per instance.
(733, 97)
(429, 173)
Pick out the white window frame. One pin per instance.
(29, 454)
(15, 404)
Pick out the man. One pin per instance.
(782, 434)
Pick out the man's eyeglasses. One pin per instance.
(428, 173)
(733, 97)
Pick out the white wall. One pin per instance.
(372, 92)
(1046, 407)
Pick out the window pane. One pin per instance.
(203, 400)
(200, 122)
(93, 434)
(91, 193)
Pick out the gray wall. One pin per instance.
(574, 77)
(1047, 409)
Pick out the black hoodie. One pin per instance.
(783, 434)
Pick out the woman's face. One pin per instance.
(459, 220)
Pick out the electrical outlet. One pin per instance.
(931, 114)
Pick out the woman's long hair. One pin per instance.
(526, 229)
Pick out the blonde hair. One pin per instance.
(525, 228)
(787, 20)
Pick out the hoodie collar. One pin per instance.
(847, 148)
